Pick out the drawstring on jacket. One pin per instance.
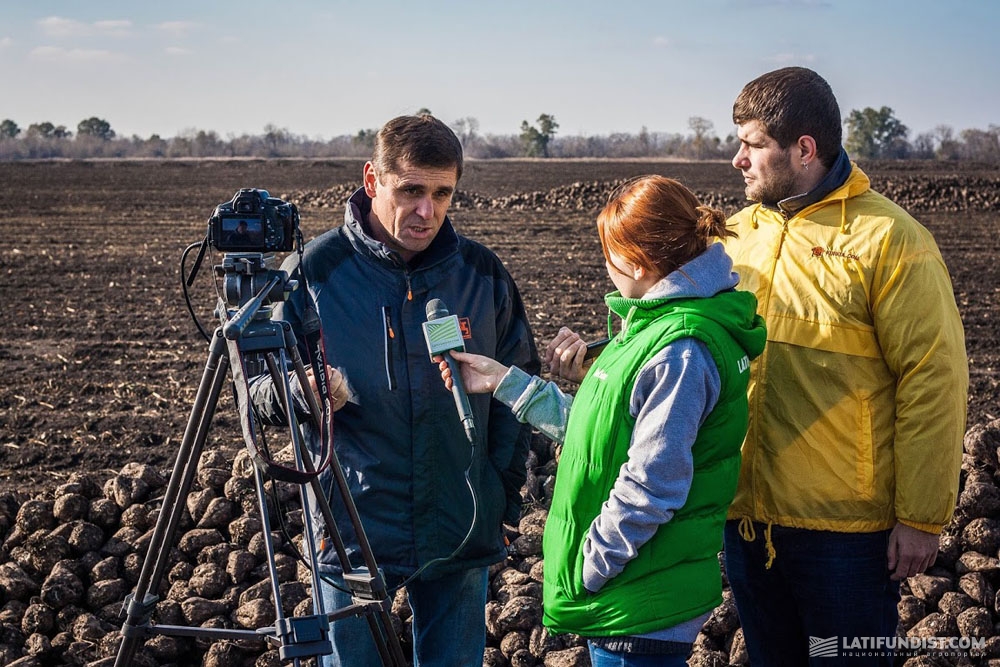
(749, 534)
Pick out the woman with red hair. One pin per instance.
(652, 438)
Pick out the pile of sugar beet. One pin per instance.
(69, 556)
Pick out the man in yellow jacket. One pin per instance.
(857, 405)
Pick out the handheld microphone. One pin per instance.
(443, 334)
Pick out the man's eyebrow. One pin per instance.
(404, 184)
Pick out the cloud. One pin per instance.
(5, 42)
(120, 27)
(57, 54)
(179, 27)
(177, 51)
(58, 26)
(660, 41)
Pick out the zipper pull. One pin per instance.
(388, 324)
(389, 336)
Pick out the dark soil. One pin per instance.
(101, 359)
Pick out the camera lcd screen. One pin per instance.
(242, 232)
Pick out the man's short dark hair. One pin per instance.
(792, 102)
(421, 141)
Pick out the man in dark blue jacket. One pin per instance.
(400, 442)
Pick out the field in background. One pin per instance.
(100, 356)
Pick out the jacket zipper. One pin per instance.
(388, 336)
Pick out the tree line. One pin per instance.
(870, 134)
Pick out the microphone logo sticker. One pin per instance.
(441, 332)
(466, 326)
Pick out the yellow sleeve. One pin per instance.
(923, 342)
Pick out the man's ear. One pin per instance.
(807, 150)
(370, 179)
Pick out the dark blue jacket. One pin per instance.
(399, 439)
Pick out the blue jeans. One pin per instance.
(820, 585)
(449, 623)
(600, 657)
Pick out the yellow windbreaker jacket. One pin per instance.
(858, 403)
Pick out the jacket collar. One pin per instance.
(834, 178)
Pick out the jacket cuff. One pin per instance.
(593, 581)
(932, 528)
(512, 386)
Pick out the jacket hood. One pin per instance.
(705, 286)
(707, 274)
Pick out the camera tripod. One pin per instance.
(246, 339)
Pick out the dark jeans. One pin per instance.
(600, 657)
(820, 585)
(449, 624)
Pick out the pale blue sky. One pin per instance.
(323, 69)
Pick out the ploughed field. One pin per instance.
(101, 361)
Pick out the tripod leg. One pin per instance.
(139, 606)
(386, 641)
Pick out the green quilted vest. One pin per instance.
(675, 575)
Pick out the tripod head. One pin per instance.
(250, 286)
(244, 276)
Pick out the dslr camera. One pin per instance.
(253, 221)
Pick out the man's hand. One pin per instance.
(565, 355)
(335, 382)
(911, 551)
(480, 375)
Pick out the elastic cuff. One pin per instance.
(511, 386)
(932, 528)
(593, 581)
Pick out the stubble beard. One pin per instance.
(779, 184)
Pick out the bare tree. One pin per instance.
(982, 145)
(703, 129)
(466, 129)
(947, 145)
